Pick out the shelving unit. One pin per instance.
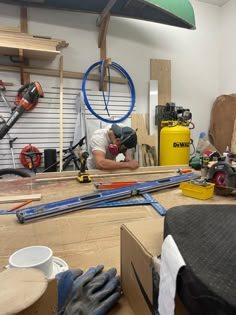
(34, 47)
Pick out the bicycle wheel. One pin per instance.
(12, 173)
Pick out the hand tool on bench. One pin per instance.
(112, 185)
(83, 202)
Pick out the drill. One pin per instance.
(83, 176)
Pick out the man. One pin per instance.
(106, 144)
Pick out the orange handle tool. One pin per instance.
(114, 185)
(20, 205)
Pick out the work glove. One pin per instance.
(65, 286)
(92, 293)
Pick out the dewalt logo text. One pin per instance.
(180, 144)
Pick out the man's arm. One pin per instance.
(104, 164)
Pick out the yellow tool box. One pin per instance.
(197, 190)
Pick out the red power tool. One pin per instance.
(26, 100)
(223, 175)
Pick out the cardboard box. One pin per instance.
(141, 243)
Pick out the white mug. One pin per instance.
(39, 257)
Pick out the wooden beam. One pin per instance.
(61, 111)
(103, 32)
(55, 73)
(102, 44)
(105, 11)
(20, 198)
(160, 70)
(23, 19)
(25, 77)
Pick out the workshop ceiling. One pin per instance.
(177, 13)
(220, 3)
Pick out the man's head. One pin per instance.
(127, 136)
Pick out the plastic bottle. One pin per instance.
(226, 154)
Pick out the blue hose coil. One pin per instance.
(131, 86)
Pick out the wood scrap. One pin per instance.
(20, 198)
(146, 142)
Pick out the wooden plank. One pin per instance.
(61, 112)
(171, 170)
(11, 42)
(41, 54)
(137, 122)
(25, 77)
(9, 29)
(20, 198)
(160, 70)
(102, 36)
(53, 72)
(106, 11)
(233, 140)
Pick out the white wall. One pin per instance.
(227, 44)
(194, 54)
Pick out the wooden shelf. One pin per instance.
(33, 47)
(30, 53)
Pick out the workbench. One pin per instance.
(87, 237)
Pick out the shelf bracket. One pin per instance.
(105, 11)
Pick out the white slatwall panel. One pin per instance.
(40, 127)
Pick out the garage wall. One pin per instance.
(194, 55)
(40, 127)
(227, 48)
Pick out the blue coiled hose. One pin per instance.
(106, 101)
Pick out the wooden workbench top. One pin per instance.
(88, 237)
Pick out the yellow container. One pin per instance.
(174, 145)
(196, 191)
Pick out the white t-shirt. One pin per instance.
(99, 141)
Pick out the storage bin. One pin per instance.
(197, 191)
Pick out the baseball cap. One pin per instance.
(127, 135)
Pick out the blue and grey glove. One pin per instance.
(65, 286)
(92, 293)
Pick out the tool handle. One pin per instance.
(20, 205)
